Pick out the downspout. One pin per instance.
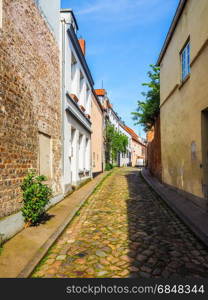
(63, 95)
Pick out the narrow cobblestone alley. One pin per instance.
(125, 230)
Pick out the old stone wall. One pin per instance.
(154, 151)
(29, 99)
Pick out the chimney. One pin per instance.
(100, 92)
(82, 45)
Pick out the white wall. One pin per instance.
(124, 158)
(113, 119)
(51, 11)
(77, 156)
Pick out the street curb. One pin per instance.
(41, 252)
(185, 219)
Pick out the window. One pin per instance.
(81, 84)
(81, 152)
(88, 100)
(73, 65)
(93, 159)
(185, 61)
(88, 91)
(87, 155)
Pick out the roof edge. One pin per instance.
(66, 10)
(171, 30)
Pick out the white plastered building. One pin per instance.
(77, 85)
(125, 158)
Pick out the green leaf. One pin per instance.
(148, 110)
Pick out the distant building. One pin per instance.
(109, 115)
(135, 154)
(184, 102)
(77, 87)
(125, 159)
(138, 149)
(97, 119)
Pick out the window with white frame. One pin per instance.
(73, 65)
(81, 152)
(87, 100)
(87, 154)
(81, 84)
(185, 61)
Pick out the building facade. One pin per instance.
(184, 102)
(125, 159)
(138, 149)
(30, 111)
(77, 87)
(109, 115)
(97, 119)
(50, 11)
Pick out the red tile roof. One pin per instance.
(100, 92)
(135, 137)
(131, 132)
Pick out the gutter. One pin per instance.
(65, 10)
(62, 92)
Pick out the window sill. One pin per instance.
(82, 108)
(74, 97)
(184, 81)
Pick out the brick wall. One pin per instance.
(29, 99)
(154, 151)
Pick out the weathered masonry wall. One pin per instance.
(154, 151)
(29, 100)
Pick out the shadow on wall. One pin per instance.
(159, 244)
(154, 163)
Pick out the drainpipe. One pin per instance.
(63, 95)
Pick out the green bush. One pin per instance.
(36, 196)
(108, 167)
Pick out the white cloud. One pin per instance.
(128, 12)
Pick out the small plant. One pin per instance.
(36, 196)
(108, 167)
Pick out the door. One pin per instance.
(45, 155)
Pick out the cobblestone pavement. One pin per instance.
(125, 230)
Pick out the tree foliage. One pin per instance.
(148, 110)
(115, 141)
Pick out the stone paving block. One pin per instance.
(61, 257)
(125, 231)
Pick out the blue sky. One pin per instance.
(123, 37)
